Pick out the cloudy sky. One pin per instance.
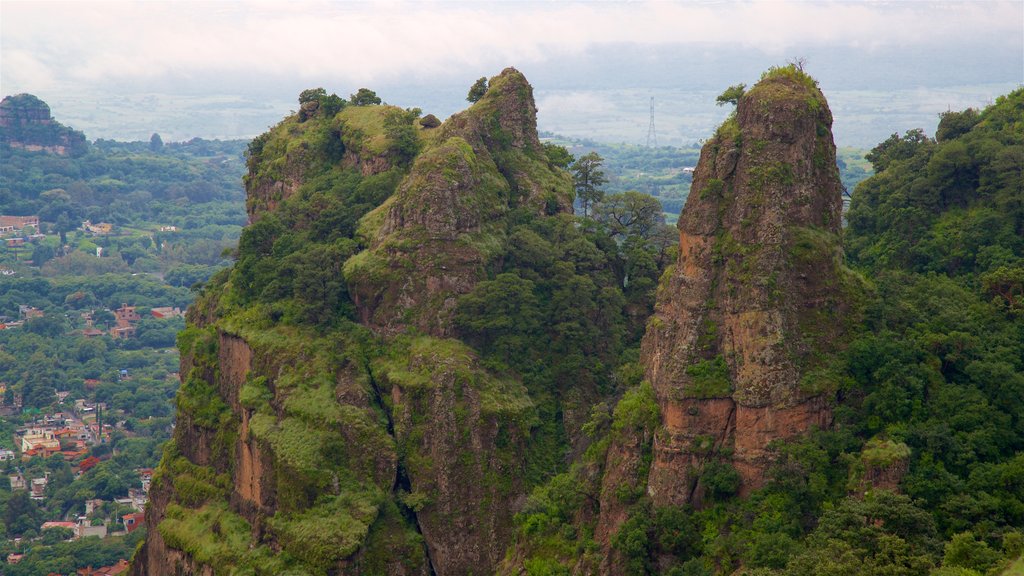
(56, 49)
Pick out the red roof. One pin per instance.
(133, 521)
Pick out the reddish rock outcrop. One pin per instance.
(26, 124)
(738, 350)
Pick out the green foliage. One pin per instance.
(879, 452)
(558, 155)
(951, 206)
(477, 90)
(731, 95)
(631, 214)
(216, 537)
(720, 479)
(588, 177)
(364, 97)
(709, 379)
(964, 551)
(331, 530)
(883, 532)
(637, 412)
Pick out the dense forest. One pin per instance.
(929, 407)
(418, 305)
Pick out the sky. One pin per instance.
(249, 58)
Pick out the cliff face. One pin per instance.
(741, 348)
(376, 443)
(738, 350)
(431, 241)
(25, 123)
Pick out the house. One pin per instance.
(116, 570)
(48, 525)
(164, 312)
(38, 488)
(15, 242)
(168, 228)
(29, 312)
(13, 558)
(84, 530)
(124, 319)
(92, 505)
(146, 477)
(17, 223)
(122, 332)
(39, 440)
(126, 315)
(18, 482)
(133, 521)
(6, 455)
(100, 228)
(138, 498)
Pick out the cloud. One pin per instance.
(139, 42)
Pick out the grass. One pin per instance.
(709, 379)
(330, 531)
(368, 123)
(1016, 568)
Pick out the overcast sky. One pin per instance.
(250, 48)
(47, 43)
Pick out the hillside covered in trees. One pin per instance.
(422, 362)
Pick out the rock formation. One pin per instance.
(25, 123)
(739, 348)
(383, 446)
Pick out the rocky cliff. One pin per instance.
(741, 348)
(26, 123)
(328, 419)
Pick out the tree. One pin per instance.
(477, 90)
(364, 97)
(401, 131)
(42, 253)
(311, 95)
(21, 513)
(631, 214)
(587, 178)
(156, 143)
(954, 124)
(897, 148)
(557, 155)
(731, 95)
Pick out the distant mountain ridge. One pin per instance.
(26, 123)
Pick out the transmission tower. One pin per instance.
(652, 134)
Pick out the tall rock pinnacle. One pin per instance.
(739, 349)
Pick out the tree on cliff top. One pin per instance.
(731, 95)
(478, 90)
(364, 97)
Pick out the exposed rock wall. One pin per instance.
(26, 124)
(741, 349)
(409, 452)
(738, 350)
